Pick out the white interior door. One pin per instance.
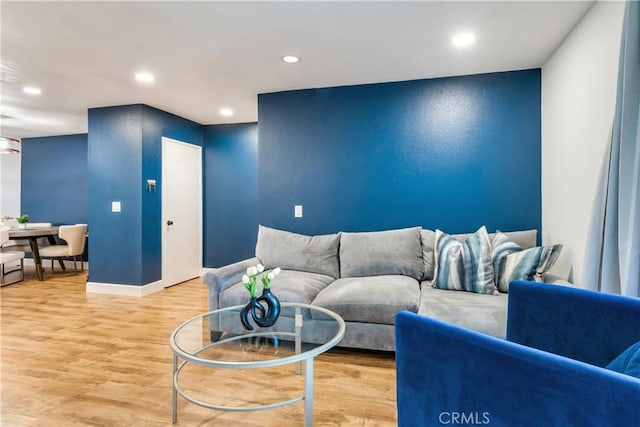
(181, 211)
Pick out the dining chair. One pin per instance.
(7, 256)
(76, 237)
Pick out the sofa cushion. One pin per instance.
(482, 313)
(525, 239)
(511, 262)
(374, 299)
(288, 286)
(291, 251)
(464, 266)
(428, 241)
(381, 253)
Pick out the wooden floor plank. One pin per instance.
(69, 358)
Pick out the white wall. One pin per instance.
(578, 104)
(10, 184)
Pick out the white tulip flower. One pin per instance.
(245, 279)
(271, 275)
(276, 271)
(260, 268)
(252, 271)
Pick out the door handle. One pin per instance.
(169, 222)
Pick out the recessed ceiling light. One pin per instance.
(463, 39)
(144, 77)
(9, 145)
(290, 59)
(227, 112)
(32, 90)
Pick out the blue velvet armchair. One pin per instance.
(549, 372)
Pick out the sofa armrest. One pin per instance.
(592, 327)
(447, 373)
(219, 279)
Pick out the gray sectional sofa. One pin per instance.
(364, 277)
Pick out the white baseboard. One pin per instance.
(124, 290)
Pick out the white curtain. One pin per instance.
(612, 259)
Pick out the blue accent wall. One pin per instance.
(54, 179)
(115, 165)
(451, 153)
(231, 193)
(124, 151)
(156, 124)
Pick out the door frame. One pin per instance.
(165, 141)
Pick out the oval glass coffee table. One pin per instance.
(217, 340)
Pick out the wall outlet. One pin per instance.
(297, 211)
(116, 207)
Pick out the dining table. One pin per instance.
(32, 235)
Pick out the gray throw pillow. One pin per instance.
(381, 253)
(291, 251)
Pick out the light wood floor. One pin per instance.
(69, 358)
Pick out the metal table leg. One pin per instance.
(174, 393)
(308, 393)
(298, 342)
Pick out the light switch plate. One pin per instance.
(297, 211)
(116, 207)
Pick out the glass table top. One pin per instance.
(218, 339)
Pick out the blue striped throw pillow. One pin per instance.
(464, 266)
(511, 262)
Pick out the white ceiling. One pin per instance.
(209, 55)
